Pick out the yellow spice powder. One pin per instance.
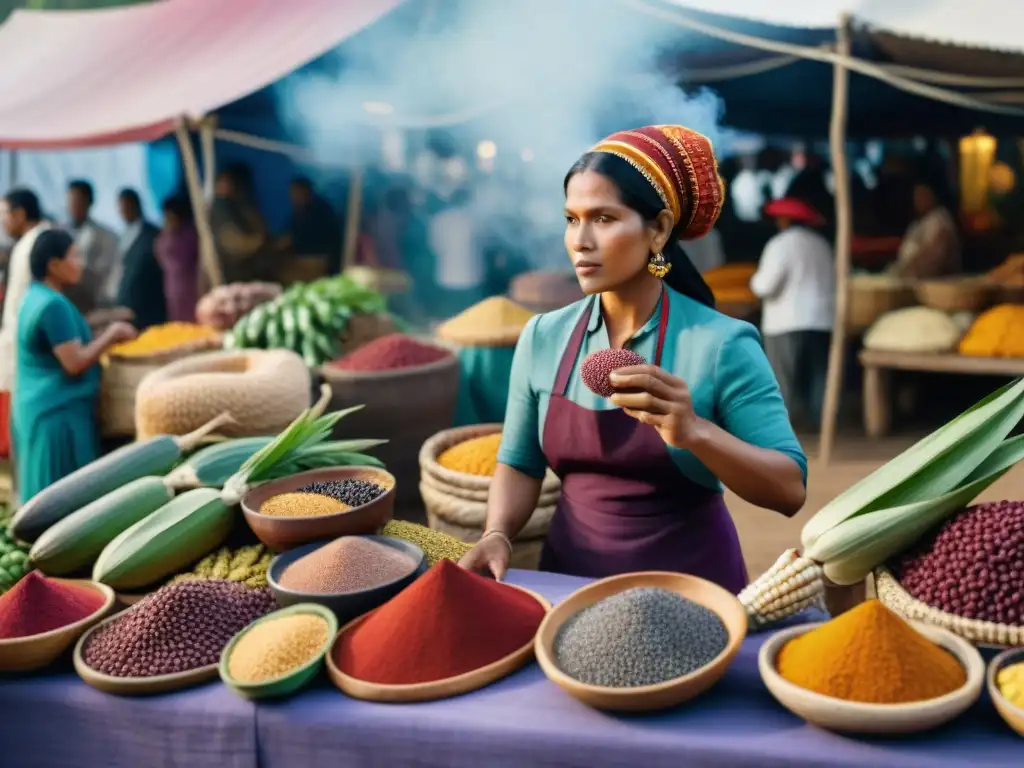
(491, 314)
(163, 338)
(302, 505)
(478, 456)
(276, 647)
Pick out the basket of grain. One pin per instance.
(954, 294)
(871, 296)
(456, 467)
(126, 365)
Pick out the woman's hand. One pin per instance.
(491, 553)
(120, 331)
(653, 396)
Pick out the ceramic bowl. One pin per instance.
(646, 697)
(1012, 714)
(292, 681)
(347, 605)
(863, 718)
(136, 686)
(27, 654)
(282, 533)
(437, 689)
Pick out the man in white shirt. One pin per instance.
(97, 246)
(796, 283)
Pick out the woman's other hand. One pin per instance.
(120, 331)
(653, 396)
(491, 553)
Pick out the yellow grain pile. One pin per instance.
(164, 338)
(494, 321)
(477, 456)
(731, 284)
(998, 332)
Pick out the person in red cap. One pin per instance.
(795, 281)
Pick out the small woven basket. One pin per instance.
(869, 300)
(955, 294)
(120, 379)
(899, 601)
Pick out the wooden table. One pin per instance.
(878, 365)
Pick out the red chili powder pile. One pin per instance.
(446, 623)
(396, 350)
(37, 604)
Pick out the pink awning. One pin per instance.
(85, 78)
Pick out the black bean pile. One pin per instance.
(180, 627)
(973, 565)
(642, 636)
(353, 492)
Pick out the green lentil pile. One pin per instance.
(246, 565)
(436, 545)
(641, 636)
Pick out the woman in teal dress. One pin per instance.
(57, 377)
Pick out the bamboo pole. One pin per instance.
(208, 147)
(207, 248)
(352, 216)
(844, 236)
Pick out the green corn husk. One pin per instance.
(852, 549)
(930, 468)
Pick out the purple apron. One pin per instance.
(625, 505)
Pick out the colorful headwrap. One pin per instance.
(681, 166)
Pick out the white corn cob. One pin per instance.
(792, 584)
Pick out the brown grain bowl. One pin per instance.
(438, 689)
(644, 698)
(1012, 714)
(280, 533)
(27, 654)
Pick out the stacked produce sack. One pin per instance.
(319, 320)
(485, 336)
(906, 524)
(456, 467)
(410, 387)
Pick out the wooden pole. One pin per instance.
(844, 236)
(352, 216)
(207, 248)
(208, 146)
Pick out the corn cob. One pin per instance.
(84, 486)
(214, 464)
(177, 534)
(792, 584)
(77, 540)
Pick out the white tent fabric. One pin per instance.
(994, 24)
(82, 78)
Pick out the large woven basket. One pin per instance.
(870, 299)
(954, 294)
(899, 601)
(120, 379)
(404, 406)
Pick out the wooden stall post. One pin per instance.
(844, 235)
(353, 214)
(208, 148)
(207, 248)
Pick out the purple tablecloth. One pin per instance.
(527, 721)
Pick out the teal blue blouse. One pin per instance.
(720, 359)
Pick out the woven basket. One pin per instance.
(955, 294)
(460, 483)
(120, 379)
(899, 601)
(869, 300)
(404, 406)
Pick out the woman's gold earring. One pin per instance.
(657, 266)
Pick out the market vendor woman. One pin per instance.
(56, 375)
(642, 472)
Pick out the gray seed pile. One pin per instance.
(353, 492)
(180, 627)
(642, 636)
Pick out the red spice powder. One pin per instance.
(446, 623)
(37, 604)
(396, 350)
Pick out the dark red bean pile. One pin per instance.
(353, 492)
(180, 627)
(973, 566)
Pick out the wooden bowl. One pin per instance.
(282, 533)
(27, 654)
(291, 681)
(438, 689)
(1012, 714)
(645, 697)
(345, 605)
(863, 718)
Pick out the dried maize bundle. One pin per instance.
(791, 585)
